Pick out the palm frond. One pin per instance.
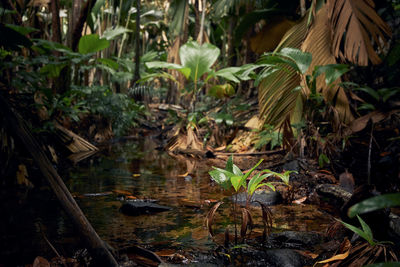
(276, 98)
(318, 43)
(355, 27)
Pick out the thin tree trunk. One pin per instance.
(96, 246)
(136, 77)
(55, 21)
(203, 15)
(77, 31)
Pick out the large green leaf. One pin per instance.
(161, 64)
(109, 63)
(254, 183)
(111, 33)
(236, 182)
(178, 17)
(332, 72)
(375, 203)
(198, 58)
(228, 74)
(220, 178)
(92, 43)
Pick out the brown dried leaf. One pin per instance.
(270, 35)
(210, 217)
(300, 200)
(346, 181)
(355, 26)
(334, 258)
(267, 219)
(318, 43)
(40, 262)
(247, 220)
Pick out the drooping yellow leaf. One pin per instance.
(355, 26)
(318, 43)
(270, 35)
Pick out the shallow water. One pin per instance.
(138, 168)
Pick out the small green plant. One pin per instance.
(233, 177)
(378, 97)
(268, 136)
(365, 232)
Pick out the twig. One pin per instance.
(270, 152)
(369, 155)
(51, 246)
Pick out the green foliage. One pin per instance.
(122, 111)
(365, 232)
(268, 136)
(222, 91)
(198, 58)
(285, 176)
(375, 203)
(232, 176)
(322, 160)
(92, 43)
(377, 97)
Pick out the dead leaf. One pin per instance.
(346, 181)
(210, 217)
(355, 26)
(308, 254)
(360, 123)
(136, 175)
(247, 221)
(22, 175)
(183, 175)
(53, 154)
(165, 252)
(270, 35)
(300, 200)
(199, 233)
(318, 43)
(334, 258)
(40, 262)
(344, 250)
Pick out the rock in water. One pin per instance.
(137, 207)
(284, 257)
(267, 197)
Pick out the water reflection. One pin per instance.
(139, 168)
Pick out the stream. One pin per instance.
(147, 173)
(138, 169)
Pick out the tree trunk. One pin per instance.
(101, 255)
(136, 77)
(55, 21)
(78, 26)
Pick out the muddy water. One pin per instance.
(138, 168)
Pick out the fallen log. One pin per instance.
(97, 248)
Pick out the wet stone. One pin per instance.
(137, 207)
(266, 197)
(294, 239)
(284, 257)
